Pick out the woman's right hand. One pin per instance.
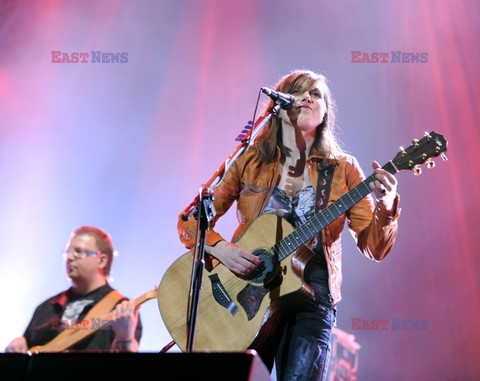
(236, 259)
(18, 345)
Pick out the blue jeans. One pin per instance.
(301, 347)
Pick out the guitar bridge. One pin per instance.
(221, 295)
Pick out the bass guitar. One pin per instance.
(68, 338)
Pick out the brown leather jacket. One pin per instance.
(250, 183)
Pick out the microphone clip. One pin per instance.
(285, 101)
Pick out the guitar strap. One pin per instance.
(105, 305)
(324, 183)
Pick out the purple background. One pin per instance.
(126, 146)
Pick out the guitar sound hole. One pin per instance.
(267, 271)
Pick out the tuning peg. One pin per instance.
(444, 157)
(429, 137)
(417, 171)
(402, 150)
(430, 164)
(415, 143)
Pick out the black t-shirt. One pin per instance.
(46, 320)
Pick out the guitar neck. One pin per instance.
(315, 224)
(145, 297)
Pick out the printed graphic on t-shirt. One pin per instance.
(75, 308)
(297, 209)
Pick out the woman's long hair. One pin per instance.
(325, 144)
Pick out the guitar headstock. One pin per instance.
(420, 152)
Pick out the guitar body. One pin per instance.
(231, 310)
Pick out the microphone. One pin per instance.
(286, 101)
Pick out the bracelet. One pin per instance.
(124, 344)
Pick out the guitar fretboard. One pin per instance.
(315, 224)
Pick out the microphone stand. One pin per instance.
(204, 211)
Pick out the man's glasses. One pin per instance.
(79, 253)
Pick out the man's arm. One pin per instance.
(18, 345)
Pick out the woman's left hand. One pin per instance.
(384, 186)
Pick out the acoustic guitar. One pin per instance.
(232, 310)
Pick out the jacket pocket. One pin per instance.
(252, 197)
